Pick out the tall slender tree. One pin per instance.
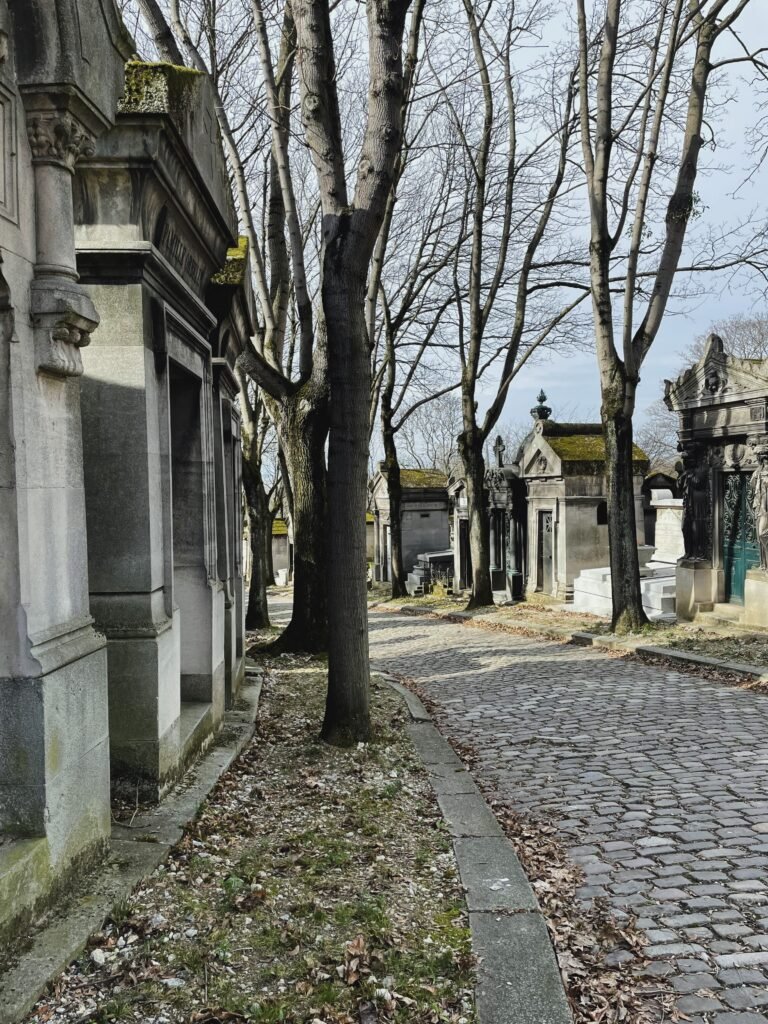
(512, 129)
(645, 75)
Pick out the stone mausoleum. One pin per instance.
(124, 302)
(424, 517)
(506, 507)
(563, 466)
(722, 404)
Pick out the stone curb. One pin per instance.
(737, 667)
(518, 976)
(134, 853)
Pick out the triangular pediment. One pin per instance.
(718, 379)
(539, 459)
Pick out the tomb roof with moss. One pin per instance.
(423, 478)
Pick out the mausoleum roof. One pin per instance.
(586, 448)
(572, 442)
(423, 478)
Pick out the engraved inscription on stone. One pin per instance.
(172, 246)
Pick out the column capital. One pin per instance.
(56, 137)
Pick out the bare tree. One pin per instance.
(511, 121)
(645, 71)
(657, 435)
(428, 437)
(745, 336)
(262, 496)
(351, 214)
(413, 249)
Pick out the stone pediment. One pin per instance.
(717, 379)
(378, 487)
(540, 460)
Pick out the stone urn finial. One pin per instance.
(541, 411)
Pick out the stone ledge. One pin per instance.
(687, 657)
(518, 975)
(135, 852)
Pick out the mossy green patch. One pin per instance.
(234, 269)
(159, 88)
(422, 478)
(586, 448)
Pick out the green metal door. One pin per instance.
(740, 548)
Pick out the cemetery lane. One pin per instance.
(656, 782)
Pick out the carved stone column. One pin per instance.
(63, 315)
(492, 538)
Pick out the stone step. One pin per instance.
(729, 612)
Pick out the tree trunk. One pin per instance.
(270, 570)
(395, 493)
(471, 452)
(257, 615)
(628, 613)
(303, 429)
(347, 715)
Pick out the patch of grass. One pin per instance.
(748, 648)
(314, 878)
(116, 1009)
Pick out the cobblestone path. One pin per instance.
(658, 781)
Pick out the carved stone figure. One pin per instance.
(713, 381)
(694, 481)
(758, 494)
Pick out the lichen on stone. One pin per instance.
(233, 271)
(422, 478)
(158, 88)
(587, 448)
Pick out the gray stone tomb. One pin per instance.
(722, 405)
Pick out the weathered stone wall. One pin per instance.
(54, 742)
(119, 431)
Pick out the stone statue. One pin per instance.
(758, 495)
(694, 481)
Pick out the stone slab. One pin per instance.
(492, 876)
(466, 814)
(738, 667)
(431, 746)
(519, 981)
(518, 976)
(416, 709)
(448, 780)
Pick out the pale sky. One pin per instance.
(570, 382)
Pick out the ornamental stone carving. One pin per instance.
(714, 381)
(64, 319)
(58, 138)
(758, 499)
(495, 479)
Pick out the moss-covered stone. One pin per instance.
(422, 478)
(587, 448)
(234, 269)
(25, 878)
(279, 528)
(158, 88)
